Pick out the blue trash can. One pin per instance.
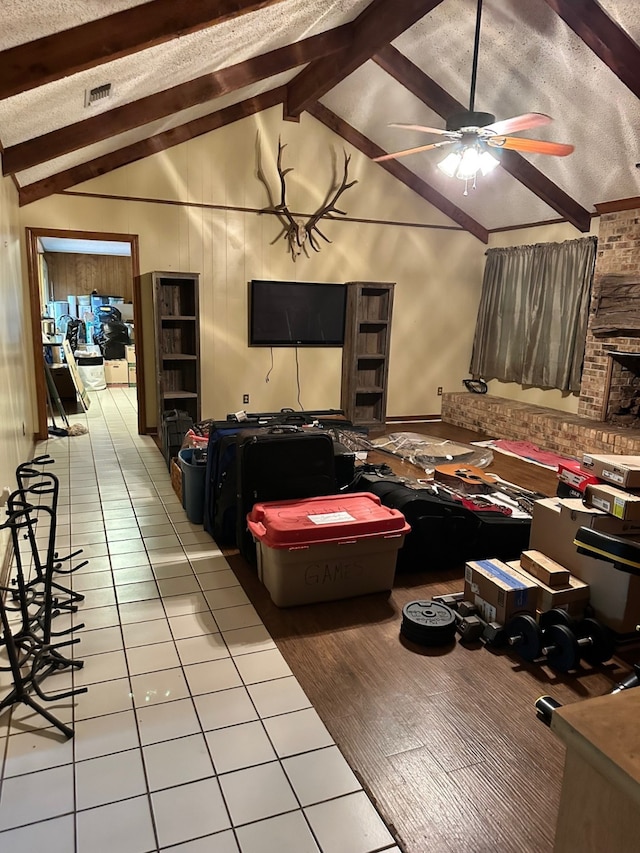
(193, 479)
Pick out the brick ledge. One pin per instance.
(550, 429)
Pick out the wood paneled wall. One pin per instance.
(78, 275)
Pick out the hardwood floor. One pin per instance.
(446, 740)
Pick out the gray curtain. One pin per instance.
(532, 320)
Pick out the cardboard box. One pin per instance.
(572, 597)
(544, 568)
(499, 591)
(620, 470)
(131, 376)
(615, 595)
(116, 372)
(616, 502)
(130, 354)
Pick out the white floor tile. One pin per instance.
(52, 790)
(159, 543)
(153, 688)
(108, 697)
(213, 563)
(244, 641)
(37, 750)
(262, 666)
(225, 708)
(92, 580)
(348, 823)
(173, 570)
(129, 561)
(151, 658)
(136, 574)
(201, 649)
(237, 617)
(178, 586)
(110, 778)
(221, 842)
(257, 792)
(54, 836)
(193, 625)
(141, 611)
(217, 580)
(105, 735)
(104, 667)
(299, 731)
(287, 833)
(240, 746)
(182, 605)
(127, 546)
(174, 762)
(278, 697)
(97, 617)
(146, 633)
(125, 827)
(211, 676)
(99, 598)
(97, 641)
(320, 775)
(167, 721)
(189, 811)
(129, 592)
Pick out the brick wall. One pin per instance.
(618, 253)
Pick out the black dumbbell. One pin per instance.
(564, 647)
(522, 634)
(468, 623)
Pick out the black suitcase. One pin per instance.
(444, 533)
(280, 464)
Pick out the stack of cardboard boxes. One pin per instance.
(552, 573)
(121, 371)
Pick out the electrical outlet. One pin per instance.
(245, 398)
(439, 390)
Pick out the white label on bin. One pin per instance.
(331, 518)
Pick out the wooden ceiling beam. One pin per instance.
(604, 36)
(380, 23)
(52, 57)
(411, 180)
(147, 147)
(441, 102)
(617, 205)
(31, 152)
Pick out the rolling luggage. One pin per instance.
(280, 464)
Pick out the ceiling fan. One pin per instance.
(475, 134)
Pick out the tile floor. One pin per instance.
(194, 736)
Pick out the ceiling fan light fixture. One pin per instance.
(487, 162)
(449, 166)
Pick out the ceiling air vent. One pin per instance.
(97, 94)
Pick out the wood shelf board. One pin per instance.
(166, 318)
(178, 395)
(179, 356)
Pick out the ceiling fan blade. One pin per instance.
(523, 122)
(412, 151)
(423, 129)
(534, 146)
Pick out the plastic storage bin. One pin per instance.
(326, 548)
(193, 479)
(91, 370)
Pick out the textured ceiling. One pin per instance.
(530, 60)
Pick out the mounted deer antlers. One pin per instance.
(296, 231)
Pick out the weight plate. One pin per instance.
(562, 649)
(526, 633)
(428, 622)
(602, 645)
(428, 614)
(556, 617)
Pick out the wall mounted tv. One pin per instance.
(296, 313)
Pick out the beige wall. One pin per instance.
(438, 273)
(16, 423)
(556, 233)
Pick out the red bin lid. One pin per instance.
(330, 518)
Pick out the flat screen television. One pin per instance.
(296, 313)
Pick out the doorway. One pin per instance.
(41, 291)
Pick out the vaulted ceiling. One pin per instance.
(181, 69)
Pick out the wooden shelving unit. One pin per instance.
(176, 338)
(365, 355)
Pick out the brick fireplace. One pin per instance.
(605, 381)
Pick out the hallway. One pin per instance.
(194, 736)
